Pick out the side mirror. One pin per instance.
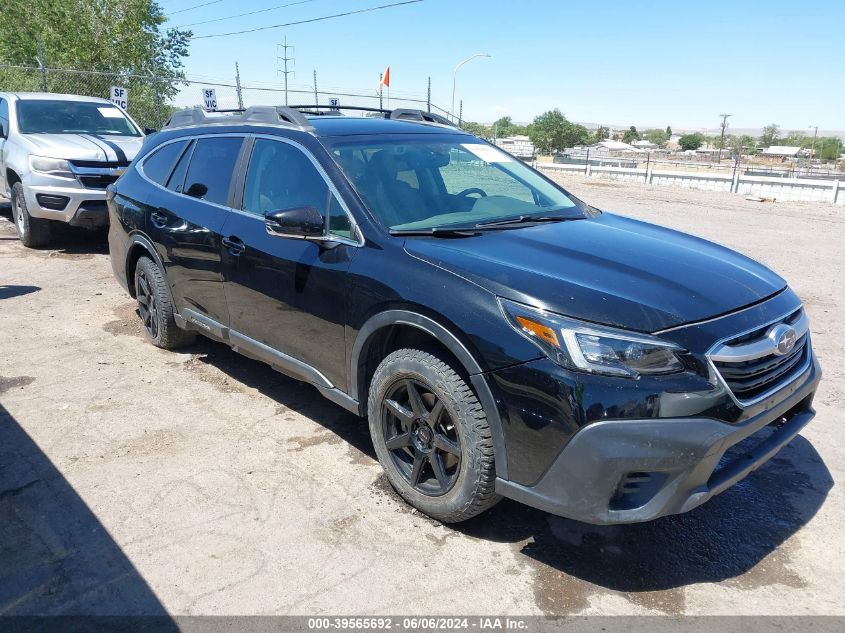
(2, 131)
(298, 222)
(149, 130)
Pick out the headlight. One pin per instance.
(593, 348)
(52, 166)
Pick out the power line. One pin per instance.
(241, 15)
(196, 6)
(325, 17)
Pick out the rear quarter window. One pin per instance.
(158, 165)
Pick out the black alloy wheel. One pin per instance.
(147, 304)
(421, 437)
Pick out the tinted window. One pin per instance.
(211, 168)
(4, 117)
(73, 117)
(158, 166)
(177, 180)
(281, 176)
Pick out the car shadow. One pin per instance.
(293, 394)
(64, 239)
(723, 539)
(7, 292)
(56, 558)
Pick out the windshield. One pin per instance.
(73, 117)
(430, 181)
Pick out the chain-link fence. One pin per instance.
(151, 100)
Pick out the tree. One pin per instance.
(553, 132)
(829, 148)
(602, 134)
(658, 137)
(691, 141)
(770, 134)
(118, 37)
(478, 129)
(631, 135)
(668, 131)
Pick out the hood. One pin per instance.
(607, 269)
(85, 146)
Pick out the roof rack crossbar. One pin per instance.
(254, 114)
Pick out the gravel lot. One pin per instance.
(201, 482)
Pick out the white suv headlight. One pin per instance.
(52, 166)
(593, 348)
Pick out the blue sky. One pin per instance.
(658, 63)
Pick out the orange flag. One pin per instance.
(385, 78)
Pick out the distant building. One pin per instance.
(781, 152)
(609, 146)
(520, 145)
(646, 145)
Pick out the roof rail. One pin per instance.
(272, 115)
(407, 114)
(404, 114)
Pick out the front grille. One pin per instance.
(748, 379)
(99, 181)
(111, 164)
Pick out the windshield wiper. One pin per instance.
(456, 231)
(522, 219)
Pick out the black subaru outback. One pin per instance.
(503, 337)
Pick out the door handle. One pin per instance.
(158, 219)
(234, 244)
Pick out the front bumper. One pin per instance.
(632, 470)
(84, 208)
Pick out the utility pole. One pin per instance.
(285, 70)
(722, 139)
(316, 98)
(813, 151)
(238, 87)
(461, 114)
(380, 91)
(428, 98)
(41, 64)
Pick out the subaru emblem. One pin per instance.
(783, 337)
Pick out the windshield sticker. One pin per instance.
(487, 153)
(111, 113)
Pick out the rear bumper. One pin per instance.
(627, 471)
(70, 204)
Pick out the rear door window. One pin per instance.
(157, 167)
(212, 166)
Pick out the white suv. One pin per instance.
(58, 153)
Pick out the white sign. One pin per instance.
(119, 96)
(209, 97)
(334, 102)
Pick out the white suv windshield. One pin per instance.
(441, 181)
(73, 117)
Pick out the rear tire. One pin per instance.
(431, 436)
(156, 307)
(33, 232)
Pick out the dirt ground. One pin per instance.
(134, 480)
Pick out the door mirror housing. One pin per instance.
(2, 131)
(297, 222)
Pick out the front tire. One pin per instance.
(431, 436)
(33, 232)
(156, 307)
